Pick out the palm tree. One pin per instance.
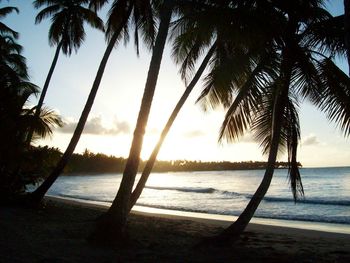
(267, 100)
(16, 121)
(151, 160)
(192, 34)
(4, 29)
(111, 227)
(66, 32)
(120, 14)
(16, 118)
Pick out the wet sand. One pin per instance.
(58, 232)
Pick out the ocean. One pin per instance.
(326, 200)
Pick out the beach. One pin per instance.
(58, 232)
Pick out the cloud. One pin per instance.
(94, 126)
(310, 140)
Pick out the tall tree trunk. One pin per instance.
(111, 227)
(347, 29)
(150, 163)
(43, 92)
(39, 193)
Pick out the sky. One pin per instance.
(194, 135)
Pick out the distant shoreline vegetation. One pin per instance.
(99, 163)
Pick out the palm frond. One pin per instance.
(292, 131)
(47, 12)
(91, 18)
(326, 36)
(246, 104)
(57, 29)
(44, 124)
(118, 16)
(146, 22)
(335, 96)
(4, 29)
(4, 11)
(96, 5)
(40, 3)
(188, 53)
(305, 80)
(262, 122)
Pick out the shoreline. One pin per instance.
(205, 170)
(58, 233)
(223, 220)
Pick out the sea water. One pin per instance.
(326, 200)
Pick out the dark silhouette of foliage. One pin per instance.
(16, 117)
(66, 32)
(4, 29)
(264, 94)
(88, 163)
(117, 27)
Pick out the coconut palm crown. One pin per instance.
(66, 32)
(67, 21)
(297, 58)
(264, 92)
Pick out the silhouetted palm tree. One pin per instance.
(298, 67)
(66, 32)
(193, 33)
(122, 15)
(16, 121)
(111, 226)
(16, 117)
(151, 160)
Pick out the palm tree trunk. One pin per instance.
(43, 92)
(237, 228)
(347, 29)
(39, 193)
(111, 227)
(150, 163)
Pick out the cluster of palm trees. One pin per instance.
(16, 117)
(262, 58)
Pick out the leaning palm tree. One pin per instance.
(298, 68)
(111, 227)
(151, 160)
(4, 29)
(67, 31)
(122, 15)
(194, 35)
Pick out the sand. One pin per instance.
(58, 232)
